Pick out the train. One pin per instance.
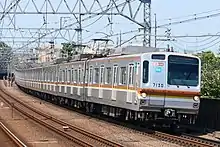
(131, 83)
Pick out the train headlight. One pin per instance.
(196, 98)
(143, 94)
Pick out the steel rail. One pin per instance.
(74, 128)
(12, 136)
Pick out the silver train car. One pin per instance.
(141, 86)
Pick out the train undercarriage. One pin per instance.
(146, 119)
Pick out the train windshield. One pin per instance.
(183, 71)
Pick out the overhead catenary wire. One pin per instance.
(190, 15)
(111, 36)
(189, 20)
(204, 44)
(196, 50)
(107, 8)
(181, 21)
(198, 41)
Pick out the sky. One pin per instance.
(165, 10)
(172, 9)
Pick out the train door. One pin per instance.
(101, 81)
(157, 82)
(130, 84)
(114, 81)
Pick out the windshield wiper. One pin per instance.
(186, 79)
(176, 84)
(188, 76)
(185, 84)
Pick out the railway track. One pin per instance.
(184, 140)
(16, 141)
(203, 140)
(79, 136)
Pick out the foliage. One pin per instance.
(210, 74)
(68, 49)
(5, 51)
(4, 47)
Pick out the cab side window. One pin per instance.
(145, 71)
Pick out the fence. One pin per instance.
(209, 114)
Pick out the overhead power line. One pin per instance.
(194, 36)
(91, 15)
(189, 20)
(190, 15)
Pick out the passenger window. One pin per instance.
(102, 74)
(131, 74)
(60, 76)
(55, 76)
(76, 75)
(46, 77)
(86, 76)
(79, 76)
(72, 75)
(108, 75)
(69, 75)
(123, 74)
(115, 74)
(41, 78)
(51, 76)
(158, 56)
(145, 71)
(65, 77)
(96, 80)
(82, 76)
(90, 74)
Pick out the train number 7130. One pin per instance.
(157, 85)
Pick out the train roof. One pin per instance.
(129, 51)
(133, 50)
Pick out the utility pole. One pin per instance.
(147, 23)
(79, 30)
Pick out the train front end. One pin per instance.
(170, 88)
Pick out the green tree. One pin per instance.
(68, 49)
(5, 51)
(5, 56)
(210, 74)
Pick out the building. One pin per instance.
(48, 53)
